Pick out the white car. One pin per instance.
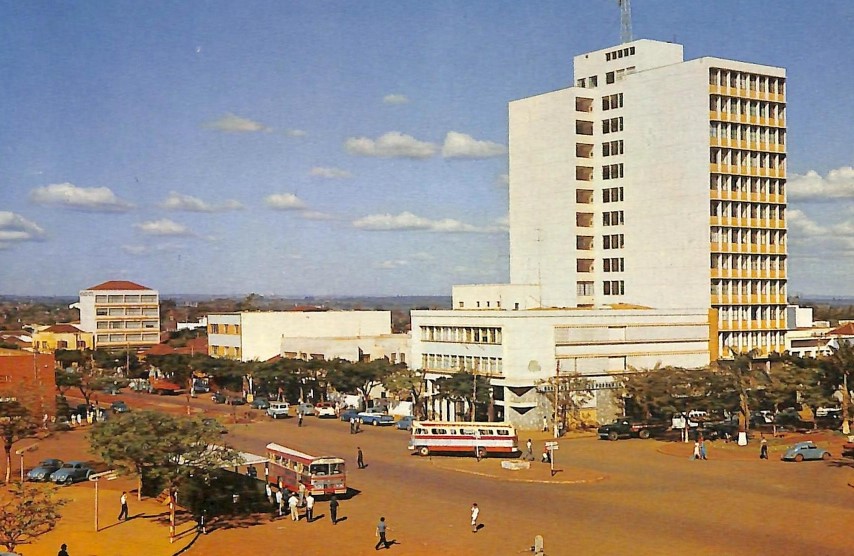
(325, 409)
(279, 409)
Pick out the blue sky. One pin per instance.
(335, 148)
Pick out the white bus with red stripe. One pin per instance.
(477, 439)
(321, 475)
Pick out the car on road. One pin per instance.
(71, 472)
(259, 403)
(627, 428)
(805, 450)
(119, 407)
(405, 423)
(236, 400)
(277, 410)
(42, 471)
(325, 409)
(217, 397)
(348, 414)
(306, 409)
(375, 416)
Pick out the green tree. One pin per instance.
(837, 370)
(17, 422)
(27, 512)
(405, 383)
(160, 448)
(361, 377)
(742, 375)
(464, 388)
(568, 394)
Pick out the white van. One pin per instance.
(279, 409)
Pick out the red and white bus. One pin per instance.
(289, 468)
(477, 439)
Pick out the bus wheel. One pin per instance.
(424, 451)
(481, 453)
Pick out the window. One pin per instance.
(612, 171)
(612, 125)
(613, 241)
(611, 102)
(584, 288)
(612, 195)
(614, 265)
(612, 148)
(612, 218)
(613, 287)
(609, 77)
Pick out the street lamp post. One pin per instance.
(95, 478)
(30, 448)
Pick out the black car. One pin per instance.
(236, 400)
(216, 397)
(119, 407)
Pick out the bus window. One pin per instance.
(439, 431)
(503, 432)
(336, 468)
(485, 432)
(319, 469)
(469, 432)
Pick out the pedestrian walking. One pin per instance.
(352, 425)
(124, 512)
(545, 423)
(309, 508)
(530, 446)
(63, 550)
(280, 502)
(702, 448)
(301, 495)
(381, 531)
(269, 491)
(299, 418)
(333, 509)
(475, 513)
(763, 447)
(292, 506)
(360, 458)
(695, 455)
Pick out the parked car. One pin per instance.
(112, 389)
(348, 414)
(375, 416)
(828, 411)
(43, 470)
(236, 400)
(259, 403)
(119, 407)
(217, 397)
(325, 409)
(628, 428)
(405, 423)
(71, 472)
(306, 409)
(805, 450)
(277, 410)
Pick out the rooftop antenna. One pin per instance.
(625, 20)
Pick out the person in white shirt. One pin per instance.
(475, 512)
(309, 508)
(292, 505)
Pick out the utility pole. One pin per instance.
(625, 20)
(474, 395)
(557, 398)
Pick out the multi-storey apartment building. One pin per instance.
(121, 314)
(657, 182)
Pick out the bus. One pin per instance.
(478, 439)
(321, 475)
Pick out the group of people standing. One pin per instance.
(699, 449)
(297, 500)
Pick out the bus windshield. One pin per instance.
(326, 468)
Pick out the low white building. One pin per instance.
(518, 350)
(394, 347)
(248, 336)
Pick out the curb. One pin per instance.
(511, 480)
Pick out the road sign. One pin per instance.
(551, 445)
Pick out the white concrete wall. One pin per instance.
(509, 297)
(394, 347)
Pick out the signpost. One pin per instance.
(95, 478)
(551, 446)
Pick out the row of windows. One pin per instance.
(130, 298)
(611, 102)
(748, 262)
(617, 264)
(612, 148)
(224, 329)
(746, 132)
(613, 76)
(614, 287)
(126, 338)
(461, 334)
(488, 365)
(129, 325)
(743, 107)
(588, 82)
(127, 312)
(613, 218)
(748, 287)
(737, 209)
(613, 241)
(747, 81)
(742, 342)
(723, 234)
(614, 54)
(612, 125)
(232, 352)
(760, 185)
(750, 159)
(612, 171)
(612, 195)
(752, 312)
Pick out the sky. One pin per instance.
(347, 148)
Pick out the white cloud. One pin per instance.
(461, 145)
(392, 264)
(395, 99)
(284, 201)
(15, 229)
(393, 144)
(67, 195)
(837, 184)
(296, 133)
(231, 123)
(162, 227)
(802, 225)
(179, 201)
(406, 221)
(330, 173)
